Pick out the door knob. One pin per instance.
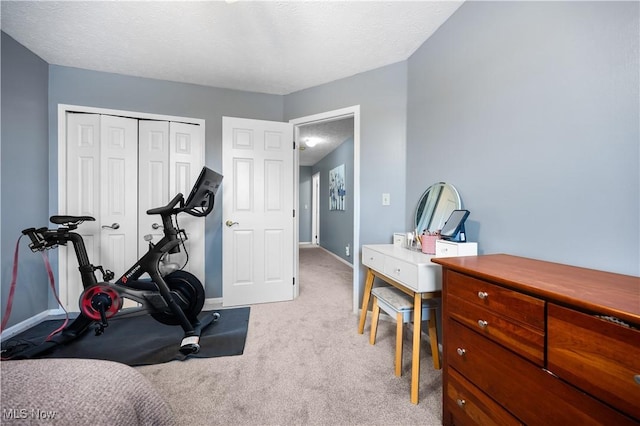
(230, 223)
(156, 226)
(112, 226)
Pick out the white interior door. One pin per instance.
(257, 211)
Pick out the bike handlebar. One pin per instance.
(169, 208)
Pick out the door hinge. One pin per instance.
(294, 281)
(294, 212)
(294, 145)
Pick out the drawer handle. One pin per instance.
(482, 323)
(461, 402)
(483, 295)
(637, 378)
(461, 351)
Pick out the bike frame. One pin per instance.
(155, 296)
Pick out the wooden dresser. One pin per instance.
(538, 343)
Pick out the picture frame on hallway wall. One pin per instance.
(337, 188)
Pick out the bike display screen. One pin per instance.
(204, 189)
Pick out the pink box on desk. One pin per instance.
(429, 243)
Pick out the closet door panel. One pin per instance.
(82, 199)
(186, 159)
(118, 196)
(153, 178)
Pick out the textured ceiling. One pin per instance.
(263, 46)
(257, 46)
(328, 134)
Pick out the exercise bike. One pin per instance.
(171, 296)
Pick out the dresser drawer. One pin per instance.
(527, 341)
(373, 259)
(521, 307)
(468, 405)
(404, 272)
(599, 356)
(528, 392)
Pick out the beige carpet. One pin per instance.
(304, 364)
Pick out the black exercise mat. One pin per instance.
(141, 340)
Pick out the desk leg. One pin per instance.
(365, 300)
(415, 362)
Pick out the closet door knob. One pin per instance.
(156, 226)
(112, 226)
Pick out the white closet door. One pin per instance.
(82, 199)
(118, 192)
(115, 169)
(186, 159)
(154, 177)
(101, 164)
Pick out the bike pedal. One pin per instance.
(190, 345)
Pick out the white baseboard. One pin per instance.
(29, 322)
(212, 303)
(337, 257)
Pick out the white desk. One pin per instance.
(413, 273)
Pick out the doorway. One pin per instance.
(315, 209)
(349, 112)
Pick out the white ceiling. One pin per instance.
(270, 47)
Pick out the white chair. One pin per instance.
(399, 305)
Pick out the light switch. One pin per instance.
(386, 199)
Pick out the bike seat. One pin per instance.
(70, 220)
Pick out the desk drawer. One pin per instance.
(527, 341)
(599, 356)
(373, 259)
(528, 392)
(404, 272)
(521, 307)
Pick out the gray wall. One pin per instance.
(24, 194)
(381, 94)
(304, 200)
(531, 110)
(336, 226)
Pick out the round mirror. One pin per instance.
(435, 207)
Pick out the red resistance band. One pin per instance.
(12, 289)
